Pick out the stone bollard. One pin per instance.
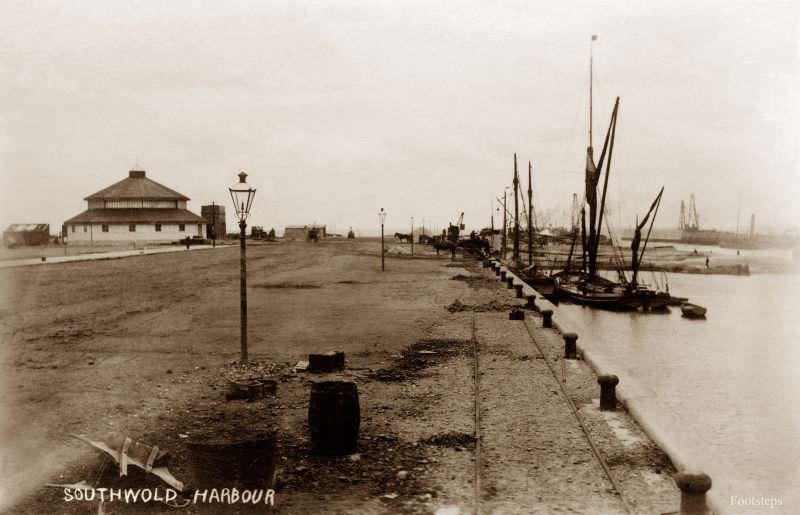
(547, 318)
(510, 281)
(693, 488)
(608, 394)
(531, 302)
(518, 288)
(496, 270)
(502, 275)
(570, 351)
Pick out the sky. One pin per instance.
(337, 109)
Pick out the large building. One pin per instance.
(135, 209)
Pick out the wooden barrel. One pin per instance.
(334, 417)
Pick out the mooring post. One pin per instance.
(693, 486)
(510, 281)
(531, 302)
(608, 394)
(570, 351)
(502, 275)
(518, 288)
(547, 318)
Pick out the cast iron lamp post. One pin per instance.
(412, 235)
(382, 218)
(242, 195)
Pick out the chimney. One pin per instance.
(136, 174)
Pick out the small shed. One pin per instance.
(22, 235)
(297, 232)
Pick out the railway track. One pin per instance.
(479, 480)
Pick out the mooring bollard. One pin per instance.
(518, 288)
(531, 302)
(570, 351)
(547, 318)
(693, 488)
(608, 394)
(510, 281)
(502, 275)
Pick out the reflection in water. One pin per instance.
(736, 375)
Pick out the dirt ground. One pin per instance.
(144, 346)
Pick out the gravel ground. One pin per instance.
(145, 346)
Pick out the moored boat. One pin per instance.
(690, 310)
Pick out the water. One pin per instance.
(733, 378)
(713, 249)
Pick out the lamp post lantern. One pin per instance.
(382, 218)
(412, 235)
(242, 195)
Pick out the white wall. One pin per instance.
(93, 233)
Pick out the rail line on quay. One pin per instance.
(477, 406)
(573, 408)
(654, 417)
(563, 388)
(478, 469)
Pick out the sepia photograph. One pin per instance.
(399, 257)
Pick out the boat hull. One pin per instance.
(597, 293)
(693, 311)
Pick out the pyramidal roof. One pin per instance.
(137, 186)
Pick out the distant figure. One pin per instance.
(737, 252)
(695, 251)
(706, 261)
(187, 242)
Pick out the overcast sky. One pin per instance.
(337, 109)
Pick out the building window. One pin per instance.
(73, 228)
(199, 229)
(131, 227)
(105, 228)
(84, 228)
(181, 227)
(158, 227)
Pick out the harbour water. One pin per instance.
(731, 381)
